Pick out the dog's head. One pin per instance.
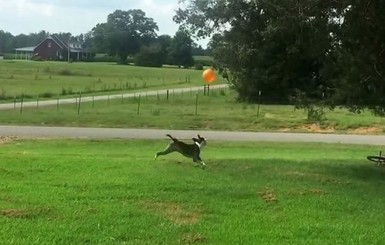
(200, 140)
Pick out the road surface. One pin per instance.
(122, 133)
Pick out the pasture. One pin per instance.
(52, 79)
(113, 192)
(218, 111)
(38, 81)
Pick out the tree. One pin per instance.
(149, 56)
(5, 42)
(165, 42)
(278, 47)
(362, 56)
(181, 49)
(125, 32)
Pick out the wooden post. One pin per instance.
(196, 104)
(259, 102)
(80, 100)
(138, 105)
(21, 104)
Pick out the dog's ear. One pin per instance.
(201, 138)
(195, 139)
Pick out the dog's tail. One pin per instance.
(173, 139)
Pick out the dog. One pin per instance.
(187, 150)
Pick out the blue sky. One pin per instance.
(79, 16)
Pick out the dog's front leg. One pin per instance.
(199, 160)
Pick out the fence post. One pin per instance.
(57, 104)
(37, 102)
(259, 102)
(196, 104)
(138, 105)
(167, 94)
(21, 104)
(14, 102)
(80, 100)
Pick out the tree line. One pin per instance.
(314, 53)
(126, 34)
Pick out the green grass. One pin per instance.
(219, 111)
(113, 192)
(49, 79)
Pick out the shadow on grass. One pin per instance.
(359, 170)
(319, 170)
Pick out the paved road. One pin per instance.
(6, 106)
(115, 133)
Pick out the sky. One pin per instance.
(80, 16)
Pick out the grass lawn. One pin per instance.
(113, 192)
(50, 79)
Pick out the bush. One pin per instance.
(198, 66)
(149, 57)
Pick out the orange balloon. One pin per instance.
(209, 75)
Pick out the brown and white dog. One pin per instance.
(187, 150)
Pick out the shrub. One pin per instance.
(198, 66)
(149, 57)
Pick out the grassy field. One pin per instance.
(219, 111)
(49, 79)
(113, 192)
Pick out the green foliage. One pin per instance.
(149, 56)
(181, 49)
(330, 52)
(124, 33)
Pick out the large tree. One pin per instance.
(317, 51)
(362, 55)
(277, 47)
(125, 32)
(181, 49)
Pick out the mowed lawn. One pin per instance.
(113, 192)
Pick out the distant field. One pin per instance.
(113, 192)
(209, 58)
(50, 79)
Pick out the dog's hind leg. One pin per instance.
(170, 148)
